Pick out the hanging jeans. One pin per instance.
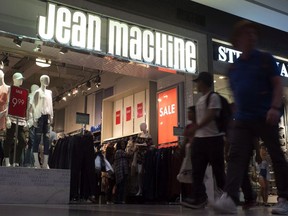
(9, 143)
(43, 128)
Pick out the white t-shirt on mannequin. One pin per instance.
(42, 101)
(4, 91)
(33, 89)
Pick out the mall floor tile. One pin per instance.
(113, 210)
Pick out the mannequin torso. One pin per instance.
(4, 90)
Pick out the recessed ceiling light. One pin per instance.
(42, 62)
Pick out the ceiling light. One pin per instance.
(88, 85)
(69, 94)
(97, 81)
(18, 41)
(42, 62)
(38, 48)
(63, 50)
(75, 91)
(1, 65)
(64, 98)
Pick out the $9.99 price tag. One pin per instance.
(18, 102)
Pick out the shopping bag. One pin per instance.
(209, 184)
(185, 174)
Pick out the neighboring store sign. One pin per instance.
(227, 54)
(118, 117)
(82, 118)
(167, 116)
(86, 31)
(18, 102)
(128, 113)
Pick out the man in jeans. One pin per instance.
(208, 143)
(257, 89)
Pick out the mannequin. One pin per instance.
(43, 115)
(4, 89)
(143, 142)
(29, 159)
(11, 127)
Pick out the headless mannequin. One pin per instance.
(11, 127)
(43, 115)
(4, 90)
(142, 143)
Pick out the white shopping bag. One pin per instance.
(185, 174)
(209, 184)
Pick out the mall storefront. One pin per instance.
(114, 75)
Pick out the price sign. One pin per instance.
(18, 102)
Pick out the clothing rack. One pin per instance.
(124, 138)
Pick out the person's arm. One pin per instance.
(210, 115)
(274, 113)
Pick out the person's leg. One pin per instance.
(46, 138)
(263, 189)
(240, 151)
(216, 158)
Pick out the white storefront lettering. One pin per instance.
(83, 30)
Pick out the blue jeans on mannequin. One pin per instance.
(43, 128)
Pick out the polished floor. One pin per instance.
(113, 210)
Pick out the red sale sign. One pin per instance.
(167, 116)
(128, 113)
(139, 110)
(18, 102)
(118, 117)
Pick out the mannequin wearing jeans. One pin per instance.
(11, 127)
(29, 159)
(143, 142)
(43, 115)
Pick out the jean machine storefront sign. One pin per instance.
(96, 33)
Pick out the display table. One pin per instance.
(34, 186)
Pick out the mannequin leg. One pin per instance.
(45, 162)
(36, 160)
(140, 182)
(20, 146)
(8, 143)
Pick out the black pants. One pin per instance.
(208, 150)
(241, 141)
(121, 190)
(9, 143)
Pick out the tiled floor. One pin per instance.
(113, 210)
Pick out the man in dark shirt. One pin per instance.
(257, 89)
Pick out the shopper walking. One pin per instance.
(257, 89)
(208, 143)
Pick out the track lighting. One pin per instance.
(69, 94)
(97, 81)
(5, 61)
(42, 62)
(64, 98)
(38, 48)
(88, 85)
(18, 41)
(63, 50)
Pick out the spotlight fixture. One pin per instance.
(42, 62)
(69, 94)
(18, 41)
(88, 85)
(64, 98)
(75, 91)
(1, 65)
(63, 50)
(5, 61)
(38, 48)
(97, 81)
